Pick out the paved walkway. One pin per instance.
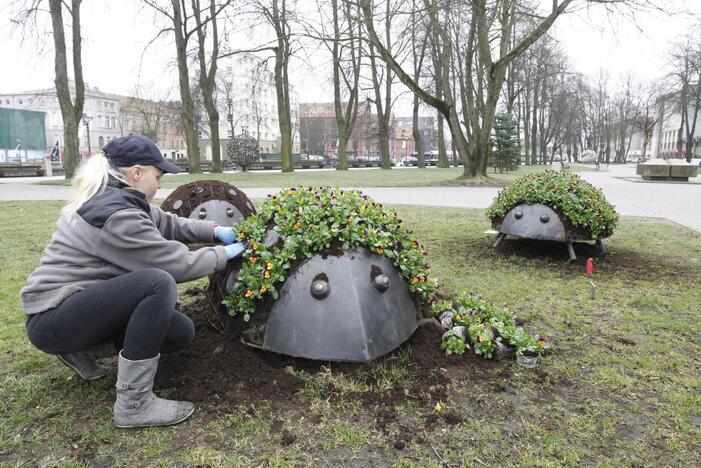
(676, 201)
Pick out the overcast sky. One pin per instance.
(117, 32)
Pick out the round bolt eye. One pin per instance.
(202, 214)
(230, 212)
(197, 189)
(544, 218)
(381, 282)
(177, 204)
(320, 289)
(518, 214)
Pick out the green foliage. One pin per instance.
(488, 325)
(308, 220)
(528, 344)
(243, 150)
(454, 344)
(506, 152)
(582, 204)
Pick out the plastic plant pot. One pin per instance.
(529, 362)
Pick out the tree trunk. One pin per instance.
(71, 112)
(207, 78)
(345, 119)
(383, 103)
(282, 87)
(418, 139)
(188, 106)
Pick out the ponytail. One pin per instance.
(90, 179)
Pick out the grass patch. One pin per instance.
(622, 386)
(397, 177)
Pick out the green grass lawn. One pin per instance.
(397, 177)
(622, 387)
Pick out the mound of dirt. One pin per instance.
(219, 371)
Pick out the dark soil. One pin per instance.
(218, 371)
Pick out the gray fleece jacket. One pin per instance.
(114, 233)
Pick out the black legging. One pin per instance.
(136, 310)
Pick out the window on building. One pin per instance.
(20, 101)
(98, 124)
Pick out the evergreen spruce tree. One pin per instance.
(506, 155)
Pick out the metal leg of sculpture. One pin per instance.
(600, 245)
(570, 249)
(500, 237)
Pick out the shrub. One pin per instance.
(310, 220)
(582, 205)
(243, 151)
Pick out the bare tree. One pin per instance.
(277, 15)
(686, 78)
(208, 71)
(347, 58)
(488, 50)
(652, 109)
(382, 78)
(71, 106)
(179, 19)
(418, 52)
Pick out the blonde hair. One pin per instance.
(90, 179)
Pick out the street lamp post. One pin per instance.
(86, 121)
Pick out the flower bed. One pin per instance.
(304, 221)
(310, 220)
(472, 322)
(581, 205)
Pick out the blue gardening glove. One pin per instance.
(225, 235)
(234, 250)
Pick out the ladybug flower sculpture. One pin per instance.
(328, 275)
(554, 206)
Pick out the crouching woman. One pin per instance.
(107, 279)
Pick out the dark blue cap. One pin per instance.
(137, 149)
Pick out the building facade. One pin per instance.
(159, 120)
(319, 133)
(105, 116)
(247, 104)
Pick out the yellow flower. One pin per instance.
(248, 293)
(241, 235)
(269, 266)
(266, 275)
(297, 225)
(380, 250)
(480, 338)
(438, 408)
(263, 289)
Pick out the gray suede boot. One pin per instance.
(85, 363)
(136, 405)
